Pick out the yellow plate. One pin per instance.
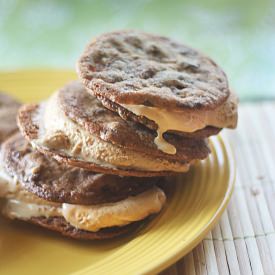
(193, 208)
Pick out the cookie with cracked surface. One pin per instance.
(8, 111)
(132, 67)
(57, 182)
(75, 128)
(158, 82)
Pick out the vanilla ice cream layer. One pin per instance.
(224, 116)
(60, 133)
(24, 206)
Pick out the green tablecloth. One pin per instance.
(239, 35)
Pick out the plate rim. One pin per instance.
(186, 248)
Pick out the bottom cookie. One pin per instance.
(59, 224)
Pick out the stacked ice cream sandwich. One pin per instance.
(90, 159)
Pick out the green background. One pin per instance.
(239, 35)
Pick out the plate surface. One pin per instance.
(194, 206)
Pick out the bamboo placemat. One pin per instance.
(243, 242)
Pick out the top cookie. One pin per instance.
(8, 110)
(132, 67)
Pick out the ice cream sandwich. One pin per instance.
(77, 203)
(156, 81)
(74, 127)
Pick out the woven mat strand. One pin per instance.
(243, 242)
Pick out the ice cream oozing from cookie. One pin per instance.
(187, 121)
(91, 218)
